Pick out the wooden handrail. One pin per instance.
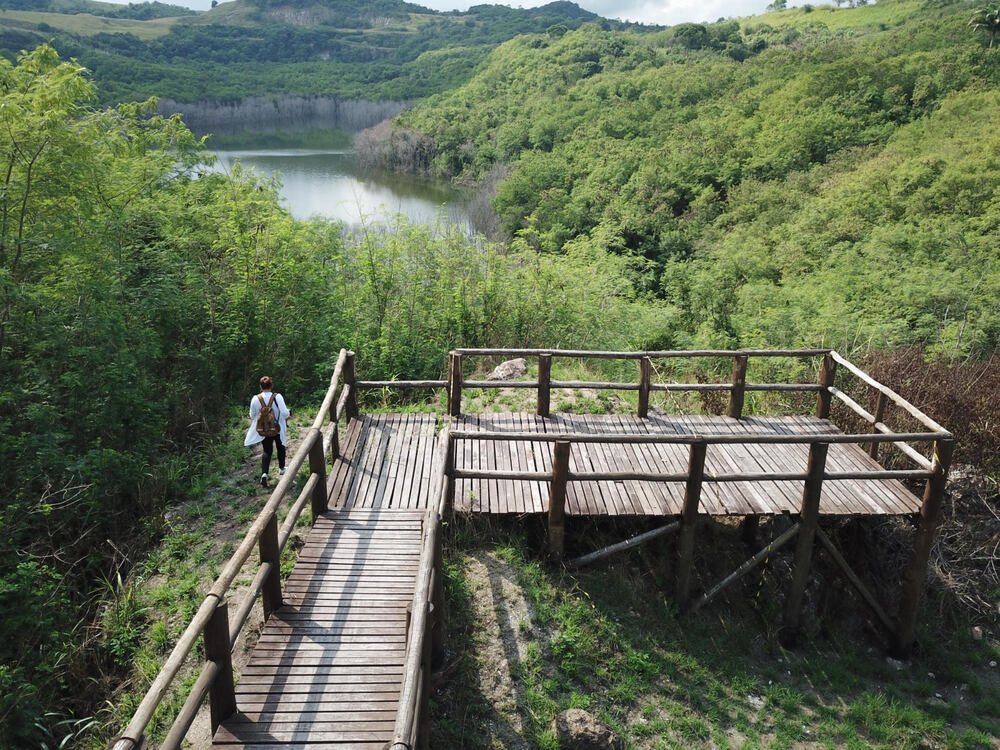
(670, 354)
(893, 396)
(131, 737)
(415, 670)
(647, 438)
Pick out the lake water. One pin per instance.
(330, 183)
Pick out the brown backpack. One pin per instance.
(267, 422)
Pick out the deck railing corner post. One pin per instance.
(827, 374)
(455, 384)
(645, 378)
(916, 572)
(544, 378)
(738, 393)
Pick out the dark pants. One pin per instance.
(269, 443)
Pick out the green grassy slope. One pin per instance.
(784, 183)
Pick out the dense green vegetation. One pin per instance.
(389, 50)
(140, 301)
(144, 11)
(821, 186)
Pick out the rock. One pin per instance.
(993, 663)
(512, 368)
(575, 729)
(936, 702)
(977, 633)
(894, 663)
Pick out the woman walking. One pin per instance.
(268, 425)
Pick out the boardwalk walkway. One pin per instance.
(351, 639)
(328, 668)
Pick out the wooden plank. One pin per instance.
(645, 496)
(344, 465)
(607, 461)
(400, 452)
(245, 734)
(391, 424)
(427, 487)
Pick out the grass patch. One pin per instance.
(610, 641)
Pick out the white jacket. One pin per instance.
(280, 411)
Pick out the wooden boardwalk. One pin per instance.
(351, 639)
(632, 497)
(328, 668)
(385, 462)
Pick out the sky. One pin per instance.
(666, 12)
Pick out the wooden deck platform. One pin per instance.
(328, 668)
(840, 497)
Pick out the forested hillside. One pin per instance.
(386, 50)
(139, 301)
(824, 176)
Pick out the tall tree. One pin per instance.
(987, 19)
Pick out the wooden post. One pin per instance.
(351, 381)
(736, 396)
(916, 573)
(544, 378)
(748, 530)
(437, 598)
(270, 552)
(557, 499)
(809, 521)
(449, 472)
(317, 465)
(879, 417)
(455, 384)
(826, 375)
(221, 695)
(689, 522)
(645, 375)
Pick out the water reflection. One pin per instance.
(330, 183)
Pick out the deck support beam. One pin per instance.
(916, 573)
(809, 520)
(866, 595)
(557, 499)
(628, 544)
(689, 522)
(746, 567)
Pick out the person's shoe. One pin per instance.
(263, 480)
(281, 471)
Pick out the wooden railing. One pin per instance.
(933, 470)
(212, 620)
(425, 625)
